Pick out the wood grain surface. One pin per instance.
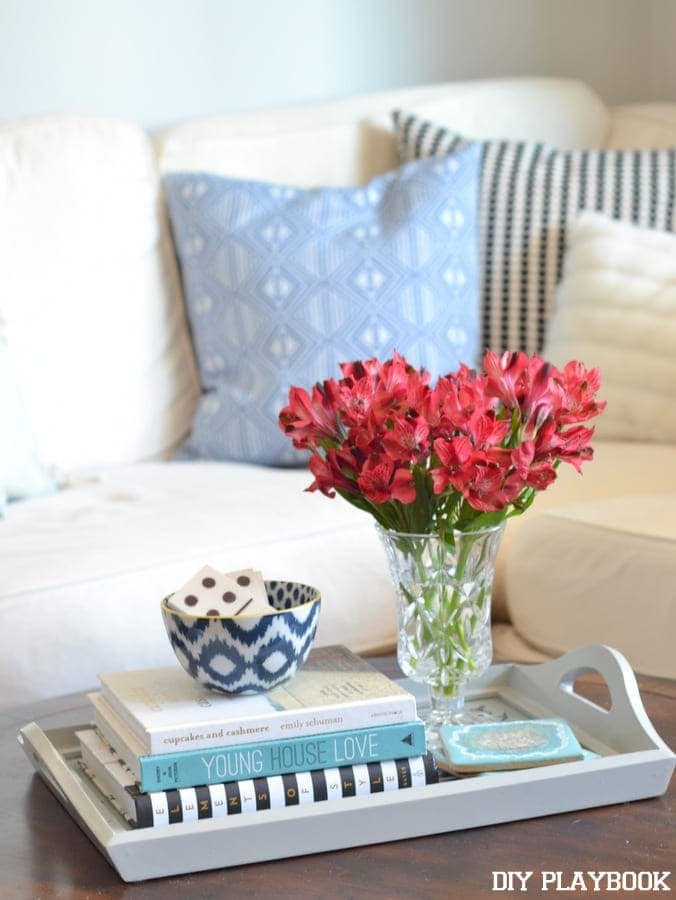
(43, 853)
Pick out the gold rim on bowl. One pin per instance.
(164, 604)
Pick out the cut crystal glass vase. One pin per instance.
(443, 589)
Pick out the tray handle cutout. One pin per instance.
(569, 681)
(625, 721)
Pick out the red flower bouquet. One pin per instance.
(441, 468)
(466, 453)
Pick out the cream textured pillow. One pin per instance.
(616, 309)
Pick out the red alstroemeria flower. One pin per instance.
(480, 476)
(456, 457)
(540, 475)
(397, 372)
(361, 368)
(527, 384)
(309, 420)
(379, 481)
(355, 399)
(571, 446)
(505, 376)
(371, 387)
(522, 458)
(542, 398)
(324, 476)
(406, 440)
(483, 489)
(459, 396)
(485, 431)
(575, 447)
(330, 474)
(365, 438)
(580, 386)
(536, 474)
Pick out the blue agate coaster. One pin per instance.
(497, 746)
(589, 754)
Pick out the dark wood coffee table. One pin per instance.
(44, 854)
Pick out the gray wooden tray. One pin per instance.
(634, 763)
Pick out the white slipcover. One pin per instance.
(89, 298)
(599, 572)
(84, 571)
(96, 328)
(349, 141)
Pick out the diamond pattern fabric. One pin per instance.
(283, 284)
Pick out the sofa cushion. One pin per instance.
(350, 141)
(619, 469)
(599, 572)
(88, 292)
(84, 570)
(530, 193)
(509, 646)
(283, 284)
(616, 309)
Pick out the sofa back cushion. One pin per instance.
(88, 292)
(350, 141)
(642, 125)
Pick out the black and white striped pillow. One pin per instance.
(529, 193)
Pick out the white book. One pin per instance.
(167, 711)
(118, 734)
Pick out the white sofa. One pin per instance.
(94, 320)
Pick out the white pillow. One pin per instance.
(616, 309)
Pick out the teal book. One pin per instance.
(281, 757)
(255, 759)
(498, 746)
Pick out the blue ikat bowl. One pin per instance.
(247, 654)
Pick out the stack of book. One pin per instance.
(163, 749)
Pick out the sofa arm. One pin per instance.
(601, 572)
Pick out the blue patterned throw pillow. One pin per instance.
(283, 284)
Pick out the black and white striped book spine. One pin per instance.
(159, 808)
